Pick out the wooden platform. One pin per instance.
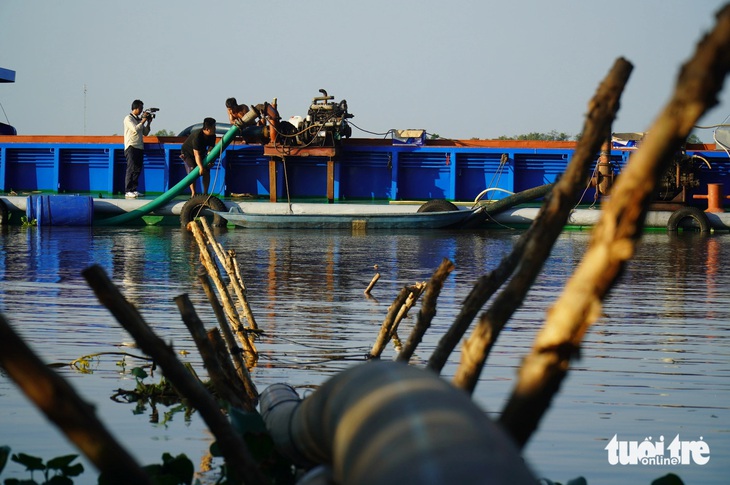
(278, 154)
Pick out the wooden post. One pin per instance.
(212, 268)
(616, 234)
(428, 309)
(330, 180)
(273, 195)
(232, 446)
(64, 408)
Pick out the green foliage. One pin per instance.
(57, 471)
(534, 136)
(25, 222)
(164, 133)
(694, 139)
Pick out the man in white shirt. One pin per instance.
(136, 126)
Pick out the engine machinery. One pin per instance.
(325, 123)
(324, 126)
(682, 175)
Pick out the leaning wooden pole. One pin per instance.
(63, 406)
(616, 234)
(428, 309)
(228, 260)
(207, 261)
(232, 446)
(541, 236)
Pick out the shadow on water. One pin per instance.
(657, 363)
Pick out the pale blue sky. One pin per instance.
(462, 68)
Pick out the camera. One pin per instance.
(150, 113)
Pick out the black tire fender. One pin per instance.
(438, 205)
(195, 205)
(688, 212)
(3, 213)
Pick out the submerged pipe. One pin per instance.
(173, 191)
(483, 213)
(390, 423)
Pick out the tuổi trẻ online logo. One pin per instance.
(648, 452)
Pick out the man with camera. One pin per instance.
(136, 126)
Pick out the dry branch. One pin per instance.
(231, 313)
(232, 446)
(428, 309)
(539, 239)
(60, 403)
(616, 234)
(227, 384)
(234, 276)
(234, 350)
(396, 312)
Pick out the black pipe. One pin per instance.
(389, 423)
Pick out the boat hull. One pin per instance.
(404, 220)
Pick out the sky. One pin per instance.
(460, 69)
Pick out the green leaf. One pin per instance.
(668, 479)
(139, 373)
(4, 454)
(31, 463)
(60, 462)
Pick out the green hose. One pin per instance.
(173, 191)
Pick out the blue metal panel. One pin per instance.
(29, 169)
(424, 175)
(365, 175)
(533, 169)
(476, 171)
(83, 170)
(3, 158)
(247, 171)
(153, 178)
(120, 172)
(306, 177)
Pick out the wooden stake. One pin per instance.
(428, 309)
(540, 237)
(64, 408)
(230, 311)
(233, 349)
(396, 312)
(227, 384)
(615, 236)
(375, 279)
(234, 276)
(232, 446)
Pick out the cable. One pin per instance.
(6, 115)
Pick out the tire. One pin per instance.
(195, 206)
(438, 205)
(3, 213)
(678, 216)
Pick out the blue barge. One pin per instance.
(360, 170)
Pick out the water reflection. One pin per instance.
(657, 363)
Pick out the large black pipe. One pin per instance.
(389, 423)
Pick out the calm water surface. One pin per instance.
(657, 364)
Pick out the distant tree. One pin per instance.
(164, 133)
(693, 139)
(534, 136)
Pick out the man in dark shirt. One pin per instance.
(195, 149)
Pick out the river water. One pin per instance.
(656, 365)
